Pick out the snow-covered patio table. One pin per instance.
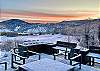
(46, 65)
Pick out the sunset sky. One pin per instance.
(49, 10)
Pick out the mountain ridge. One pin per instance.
(18, 25)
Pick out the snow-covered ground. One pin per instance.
(46, 38)
(42, 38)
(9, 41)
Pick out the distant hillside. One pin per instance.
(17, 25)
(79, 22)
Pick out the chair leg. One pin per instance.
(80, 62)
(12, 61)
(92, 61)
(24, 61)
(5, 65)
(70, 62)
(15, 58)
(65, 54)
(80, 66)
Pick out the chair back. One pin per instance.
(72, 52)
(23, 51)
(66, 44)
(71, 45)
(94, 49)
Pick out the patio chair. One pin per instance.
(20, 54)
(64, 48)
(61, 50)
(75, 57)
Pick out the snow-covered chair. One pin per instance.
(20, 54)
(75, 57)
(64, 47)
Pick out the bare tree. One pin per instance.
(99, 34)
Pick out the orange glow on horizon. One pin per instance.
(34, 17)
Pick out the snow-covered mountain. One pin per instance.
(17, 25)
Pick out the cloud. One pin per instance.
(47, 17)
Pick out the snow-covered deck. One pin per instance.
(47, 65)
(32, 58)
